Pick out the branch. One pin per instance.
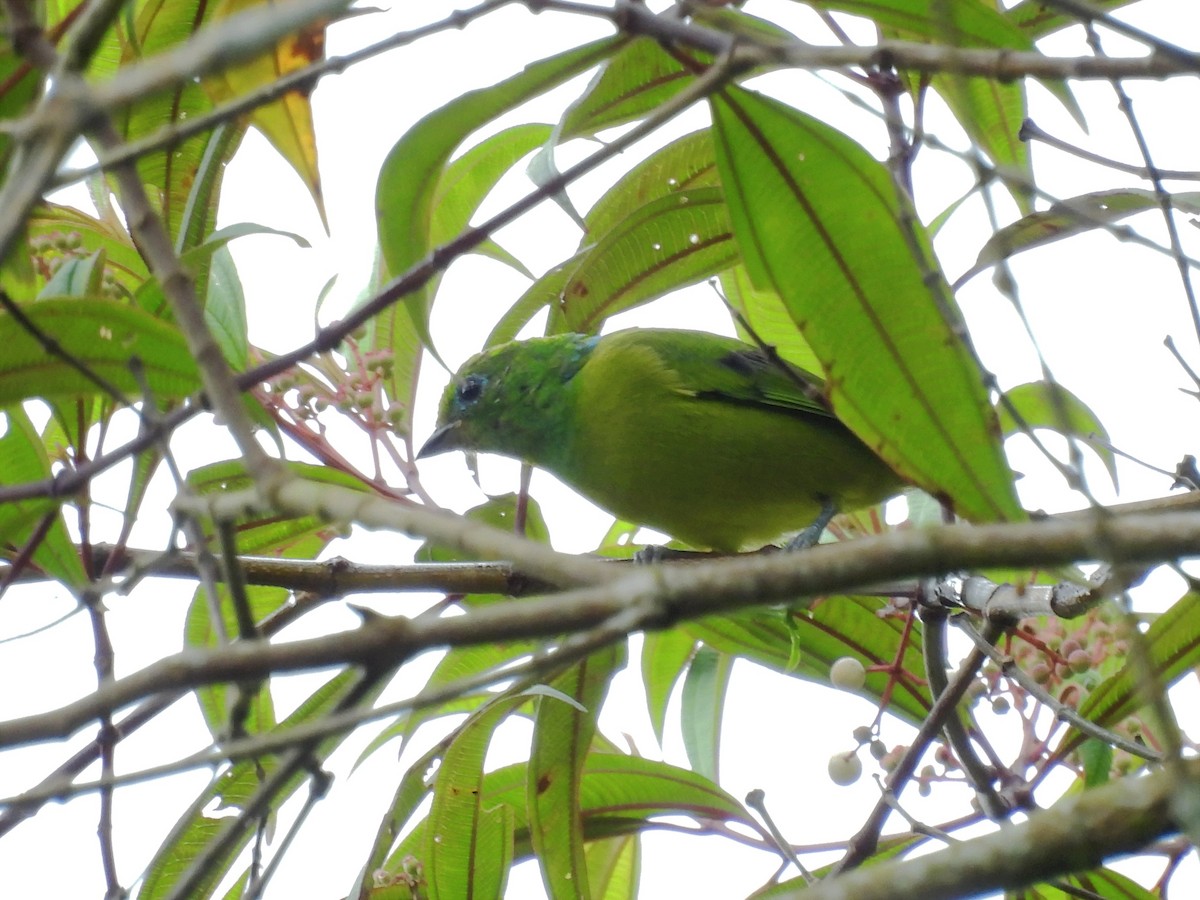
(999, 63)
(1076, 834)
(646, 597)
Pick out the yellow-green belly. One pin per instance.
(710, 472)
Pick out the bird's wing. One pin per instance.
(714, 368)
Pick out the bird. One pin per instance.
(714, 441)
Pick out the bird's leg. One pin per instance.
(812, 534)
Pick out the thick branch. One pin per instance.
(648, 597)
(1076, 834)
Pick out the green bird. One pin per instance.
(706, 438)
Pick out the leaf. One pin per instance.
(562, 736)
(411, 173)
(458, 664)
(897, 374)
(269, 535)
(287, 123)
(232, 789)
(958, 24)
(102, 334)
(664, 657)
(667, 244)
(184, 178)
(1045, 404)
(638, 77)
(1101, 884)
(685, 163)
(1097, 759)
(702, 708)
(991, 111)
(22, 83)
(614, 868)
(1070, 217)
(546, 292)
(1038, 19)
(77, 277)
(23, 460)
(197, 217)
(464, 844)
(502, 511)
(471, 177)
(619, 795)
(59, 233)
(804, 643)
(198, 262)
(225, 309)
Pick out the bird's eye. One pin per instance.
(470, 389)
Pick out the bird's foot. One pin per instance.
(811, 535)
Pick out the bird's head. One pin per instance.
(513, 399)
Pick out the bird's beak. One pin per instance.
(442, 440)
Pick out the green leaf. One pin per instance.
(543, 293)
(637, 79)
(182, 178)
(463, 845)
(207, 817)
(62, 233)
(102, 334)
(502, 511)
(471, 177)
(1045, 404)
(614, 868)
(269, 534)
(1038, 19)
(664, 656)
(458, 664)
(23, 460)
(957, 24)
(1070, 217)
(198, 215)
(562, 737)
(805, 642)
(22, 84)
(702, 708)
(409, 794)
(288, 538)
(685, 163)
(225, 309)
(618, 795)
(198, 262)
(1097, 759)
(77, 277)
(410, 175)
(1098, 884)
(897, 373)
(989, 110)
(667, 244)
